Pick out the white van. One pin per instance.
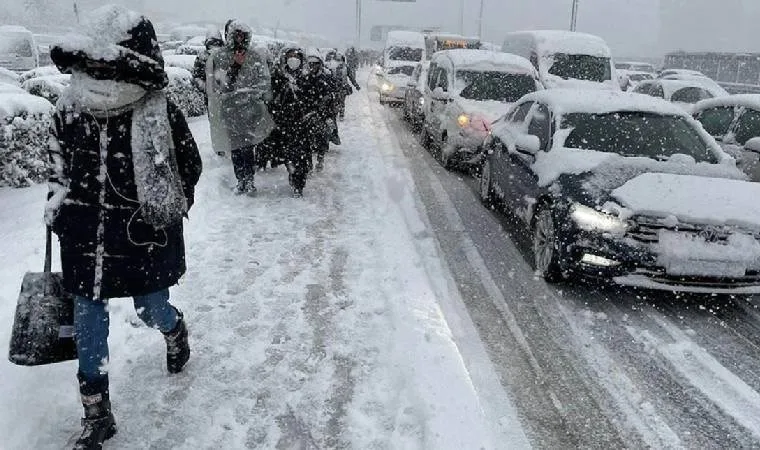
(403, 48)
(18, 50)
(565, 58)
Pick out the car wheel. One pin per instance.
(546, 247)
(486, 188)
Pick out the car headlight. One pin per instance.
(589, 219)
(386, 87)
(422, 101)
(463, 120)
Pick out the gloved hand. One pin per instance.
(53, 206)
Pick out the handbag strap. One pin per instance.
(48, 249)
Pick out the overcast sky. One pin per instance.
(631, 27)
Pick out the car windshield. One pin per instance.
(500, 86)
(405, 70)
(16, 45)
(405, 54)
(636, 134)
(640, 77)
(581, 67)
(748, 126)
(717, 120)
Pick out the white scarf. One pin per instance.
(157, 179)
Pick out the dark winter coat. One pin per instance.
(137, 258)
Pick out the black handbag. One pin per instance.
(43, 328)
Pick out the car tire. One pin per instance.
(487, 196)
(546, 247)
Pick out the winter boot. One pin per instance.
(98, 423)
(177, 346)
(297, 193)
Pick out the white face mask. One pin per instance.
(103, 94)
(293, 63)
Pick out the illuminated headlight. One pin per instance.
(596, 260)
(386, 87)
(463, 120)
(589, 219)
(422, 101)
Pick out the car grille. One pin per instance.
(751, 279)
(648, 231)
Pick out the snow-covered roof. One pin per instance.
(550, 42)
(743, 100)
(15, 104)
(670, 87)
(401, 37)
(486, 60)
(568, 101)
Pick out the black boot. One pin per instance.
(98, 423)
(177, 346)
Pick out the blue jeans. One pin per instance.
(91, 322)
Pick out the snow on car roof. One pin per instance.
(401, 37)
(568, 101)
(670, 87)
(745, 100)
(14, 104)
(487, 60)
(569, 42)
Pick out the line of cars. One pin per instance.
(622, 186)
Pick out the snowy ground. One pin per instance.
(323, 322)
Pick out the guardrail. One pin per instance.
(741, 88)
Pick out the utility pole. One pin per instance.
(76, 10)
(461, 18)
(358, 23)
(480, 20)
(574, 16)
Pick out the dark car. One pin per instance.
(414, 98)
(625, 187)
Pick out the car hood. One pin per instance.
(398, 79)
(488, 109)
(692, 199)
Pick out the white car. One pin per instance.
(734, 121)
(684, 93)
(629, 79)
(466, 91)
(393, 82)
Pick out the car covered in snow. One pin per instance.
(565, 58)
(466, 90)
(49, 87)
(734, 121)
(624, 187)
(414, 98)
(629, 79)
(18, 49)
(193, 46)
(635, 66)
(393, 82)
(684, 93)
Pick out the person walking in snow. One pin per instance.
(336, 64)
(238, 86)
(124, 167)
(322, 96)
(352, 64)
(213, 40)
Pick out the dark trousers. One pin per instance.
(244, 163)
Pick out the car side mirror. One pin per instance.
(528, 143)
(753, 145)
(439, 94)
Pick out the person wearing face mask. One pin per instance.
(322, 93)
(336, 64)
(238, 86)
(123, 167)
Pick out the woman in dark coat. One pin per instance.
(124, 169)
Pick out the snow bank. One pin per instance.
(49, 87)
(183, 92)
(186, 62)
(25, 123)
(44, 71)
(693, 199)
(22, 104)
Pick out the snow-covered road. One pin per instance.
(323, 322)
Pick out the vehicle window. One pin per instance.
(716, 121)
(637, 134)
(656, 90)
(432, 76)
(748, 126)
(15, 45)
(521, 112)
(406, 70)
(640, 77)
(443, 79)
(690, 95)
(643, 88)
(499, 86)
(581, 67)
(405, 54)
(540, 125)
